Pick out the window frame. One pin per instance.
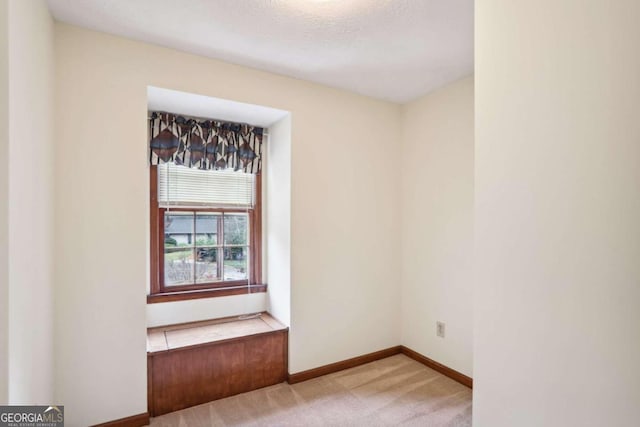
(160, 293)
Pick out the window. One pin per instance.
(205, 233)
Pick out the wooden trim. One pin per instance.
(160, 254)
(204, 286)
(371, 357)
(205, 293)
(154, 250)
(205, 209)
(150, 408)
(256, 235)
(220, 250)
(344, 364)
(444, 370)
(286, 355)
(132, 421)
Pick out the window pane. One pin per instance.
(235, 263)
(178, 229)
(207, 229)
(207, 265)
(178, 266)
(235, 229)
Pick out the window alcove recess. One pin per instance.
(206, 207)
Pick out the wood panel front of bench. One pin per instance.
(188, 376)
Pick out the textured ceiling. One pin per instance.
(390, 49)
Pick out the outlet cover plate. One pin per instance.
(440, 329)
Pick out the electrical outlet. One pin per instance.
(440, 329)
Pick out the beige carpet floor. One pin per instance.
(392, 391)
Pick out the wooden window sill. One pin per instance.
(204, 293)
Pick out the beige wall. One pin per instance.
(557, 307)
(437, 224)
(172, 313)
(30, 165)
(344, 211)
(4, 202)
(277, 211)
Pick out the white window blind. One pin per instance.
(190, 187)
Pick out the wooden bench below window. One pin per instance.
(195, 363)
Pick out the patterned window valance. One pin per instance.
(203, 143)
